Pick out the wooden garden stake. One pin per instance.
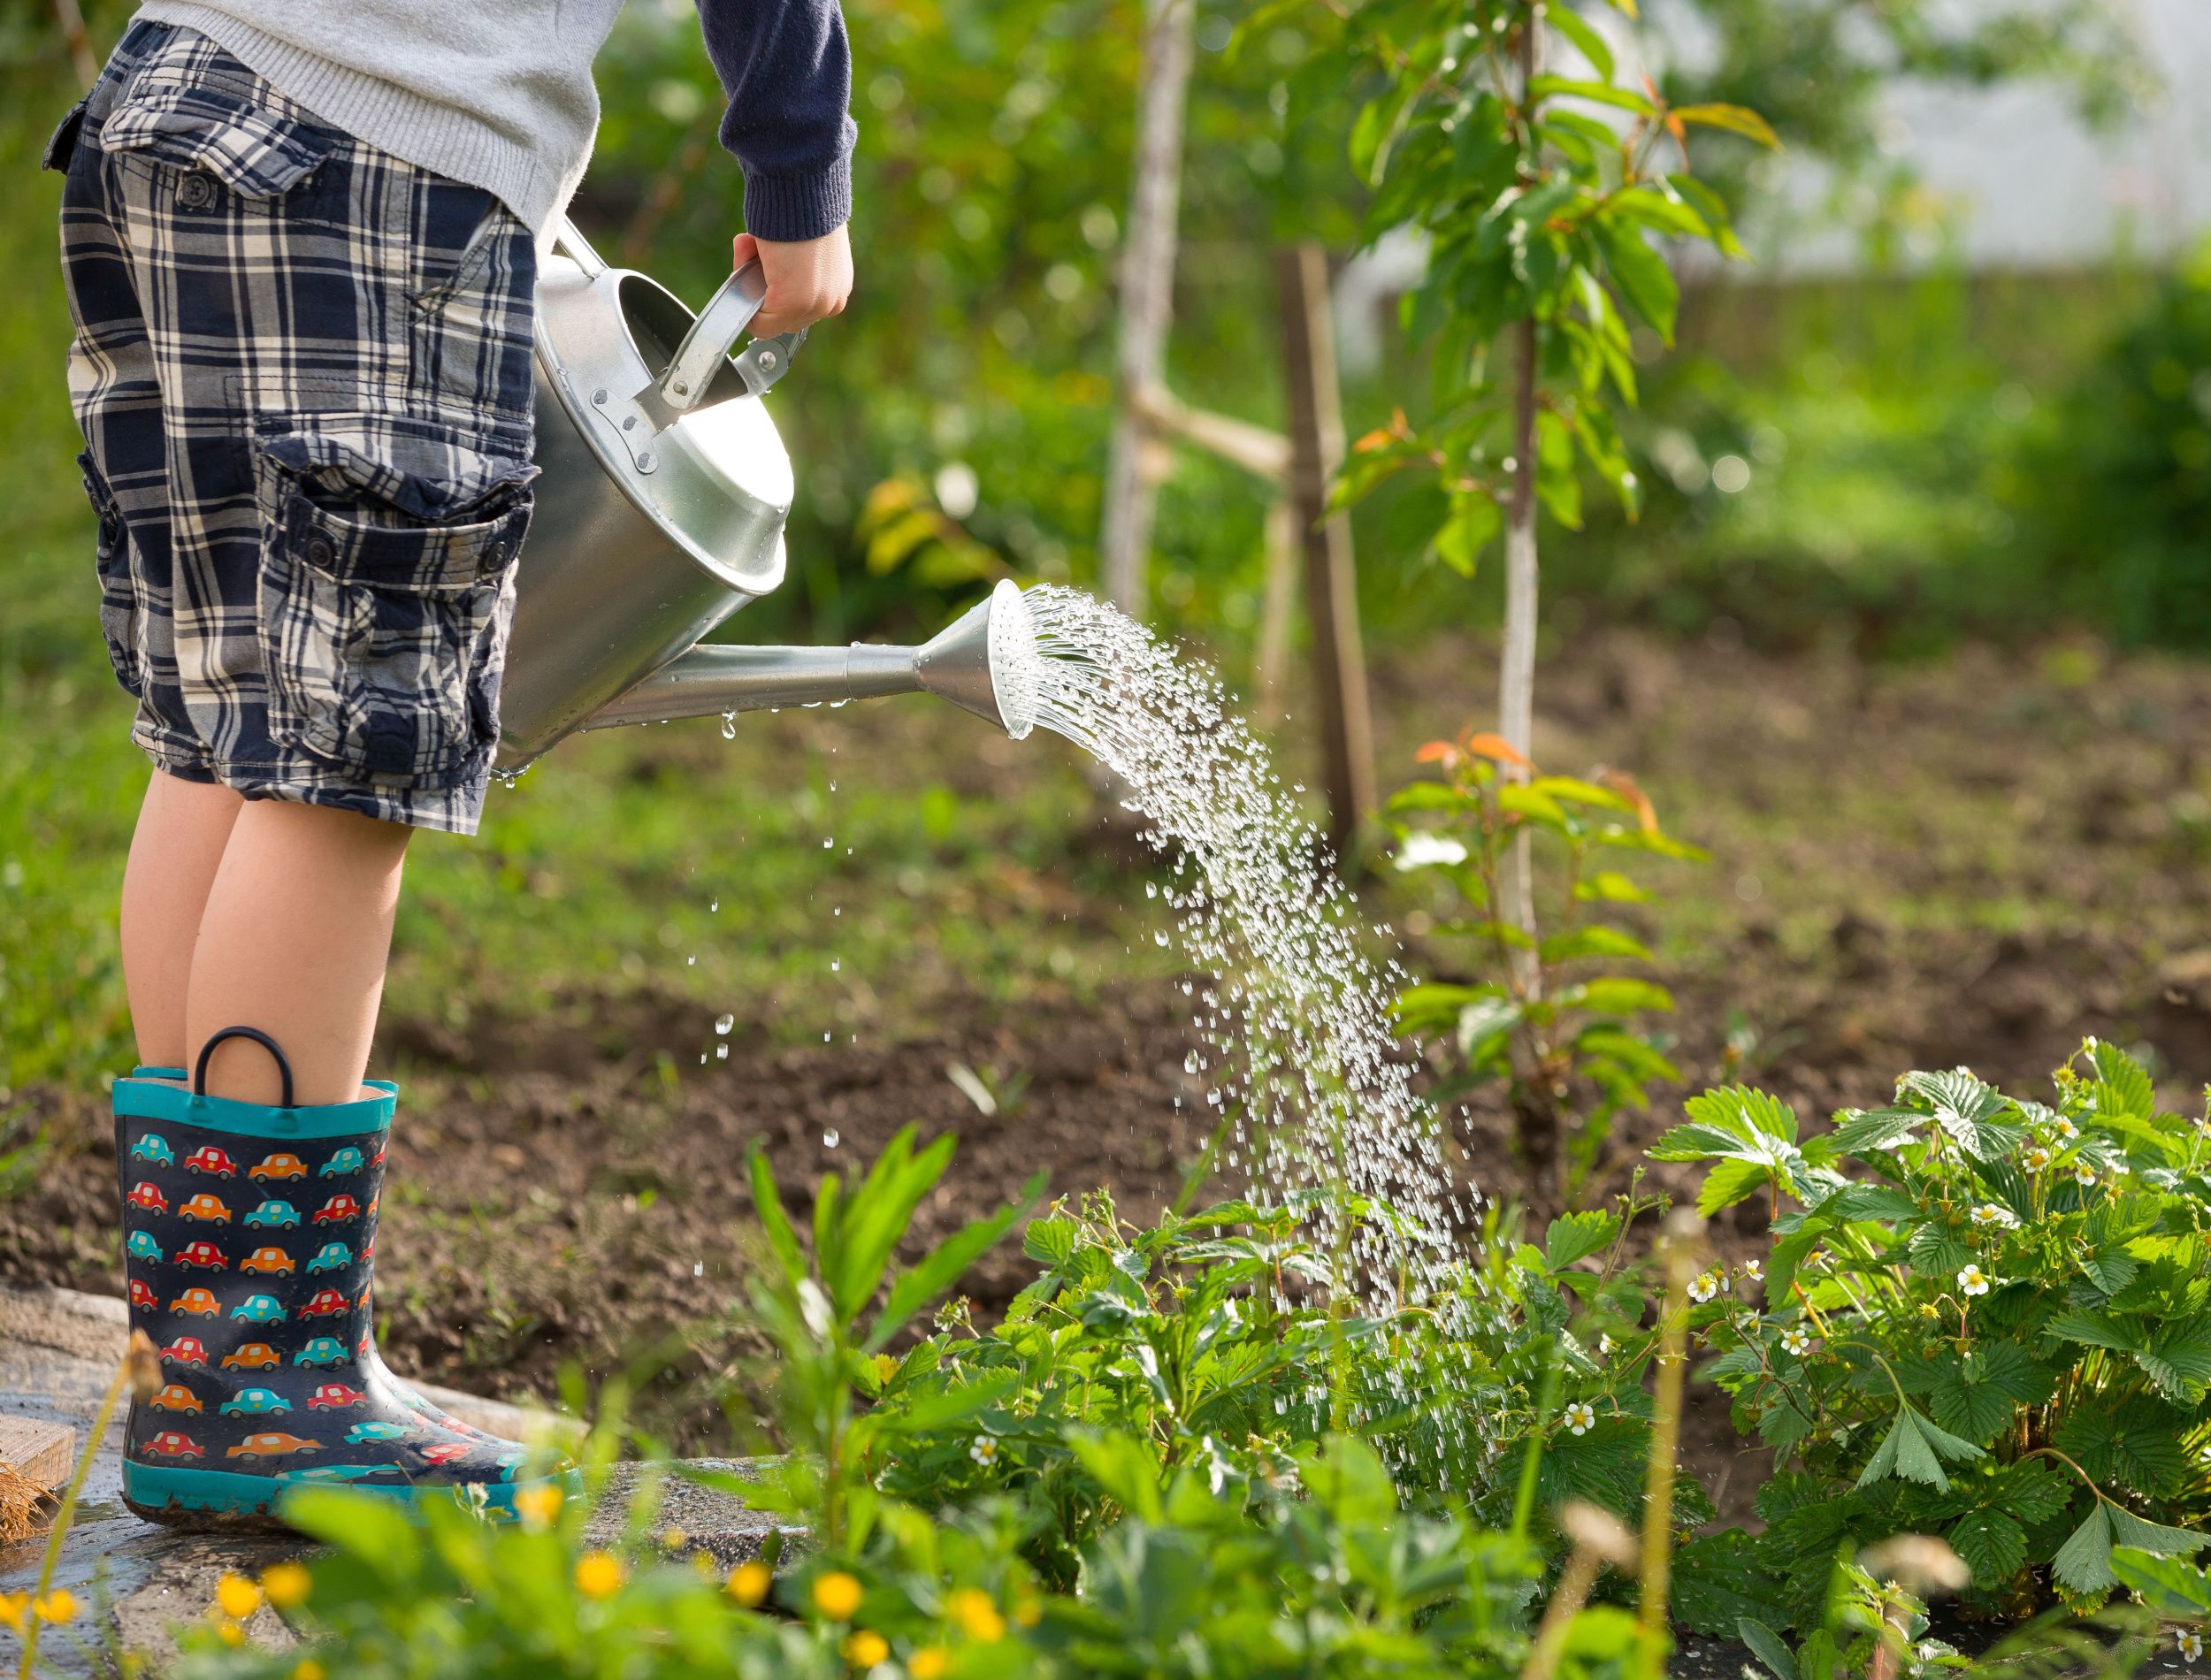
(1147, 298)
(1316, 440)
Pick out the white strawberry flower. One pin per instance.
(1604, 1347)
(1753, 1271)
(1702, 1287)
(1580, 1417)
(1989, 1213)
(2064, 1128)
(2037, 1159)
(2083, 1174)
(1973, 1280)
(1797, 1341)
(983, 1450)
(2189, 1643)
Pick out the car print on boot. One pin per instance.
(282, 1164)
(258, 1309)
(186, 1350)
(375, 1429)
(323, 1302)
(335, 1397)
(148, 1196)
(252, 1355)
(200, 1302)
(202, 1253)
(254, 1401)
(331, 1256)
(331, 1473)
(346, 1160)
(143, 1294)
(378, 1158)
(140, 1245)
(204, 1206)
(173, 1444)
(274, 1262)
(280, 1216)
(443, 1452)
(338, 1208)
(324, 1350)
(154, 1146)
(208, 1158)
(274, 1444)
(175, 1397)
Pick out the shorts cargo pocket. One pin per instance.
(385, 591)
(120, 614)
(217, 145)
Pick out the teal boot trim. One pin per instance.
(226, 1494)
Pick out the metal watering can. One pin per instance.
(660, 504)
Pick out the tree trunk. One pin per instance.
(1535, 1107)
(1147, 291)
(67, 14)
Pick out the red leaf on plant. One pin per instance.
(1487, 746)
(1437, 752)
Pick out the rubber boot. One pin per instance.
(249, 1241)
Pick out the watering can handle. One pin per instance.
(714, 335)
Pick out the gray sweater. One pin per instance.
(498, 93)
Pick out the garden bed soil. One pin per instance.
(570, 1187)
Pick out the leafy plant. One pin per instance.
(1563, 1015)
(1152, 1422)
(812, 1305)
(1995, 1326)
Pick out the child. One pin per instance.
(300, 241)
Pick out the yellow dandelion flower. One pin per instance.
(976, 1616)
(237, 1597)
(286, 1584)
(306, 1669)
(57, 1607)
(748, 1583)
(836, 1595)
(537, 1506)
(865, 1649)
(598, 1575)
(929, 1663)
(12, 1608)
(230, 1633)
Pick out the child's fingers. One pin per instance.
(808, 281)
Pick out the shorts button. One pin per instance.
(320, 551)
(196, 190)
(495, 556)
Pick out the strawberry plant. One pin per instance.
(1981, 1317)
(1559, 1014)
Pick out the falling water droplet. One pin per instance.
(723, 1023)
(729, 726)
(721, 1052)
(828, 1138)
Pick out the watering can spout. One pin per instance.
(985, 662)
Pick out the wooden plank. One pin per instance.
(1262, 453)
(1316, 437)
(41, 1454)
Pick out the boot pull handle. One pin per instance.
(284, 1068)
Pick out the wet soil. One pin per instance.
(1978, 862)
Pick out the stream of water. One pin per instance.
(1297, 1052)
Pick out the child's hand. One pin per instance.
(808, 281)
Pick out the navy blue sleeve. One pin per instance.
(788, 73)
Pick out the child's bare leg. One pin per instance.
(182, 828)
(294, 939)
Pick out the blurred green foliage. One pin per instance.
(2119, 473)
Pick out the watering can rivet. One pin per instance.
(680, 388)
(599, 395)
(645, 462)
(767, 358)
(629, 423)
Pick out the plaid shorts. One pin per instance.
(302, 368)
